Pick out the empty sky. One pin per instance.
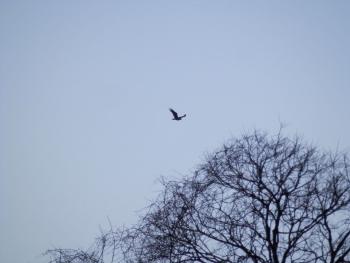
(85, 88)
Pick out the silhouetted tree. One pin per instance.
(259, 199)
(104, 249)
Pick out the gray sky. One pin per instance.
(85, 88)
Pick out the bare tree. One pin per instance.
(259, 199)
(103, 250)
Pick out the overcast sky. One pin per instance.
(85, 88)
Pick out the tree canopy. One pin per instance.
(259, 199)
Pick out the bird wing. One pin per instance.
(174, 113)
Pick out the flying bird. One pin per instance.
(176, 116)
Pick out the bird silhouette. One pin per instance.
(176, 116)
